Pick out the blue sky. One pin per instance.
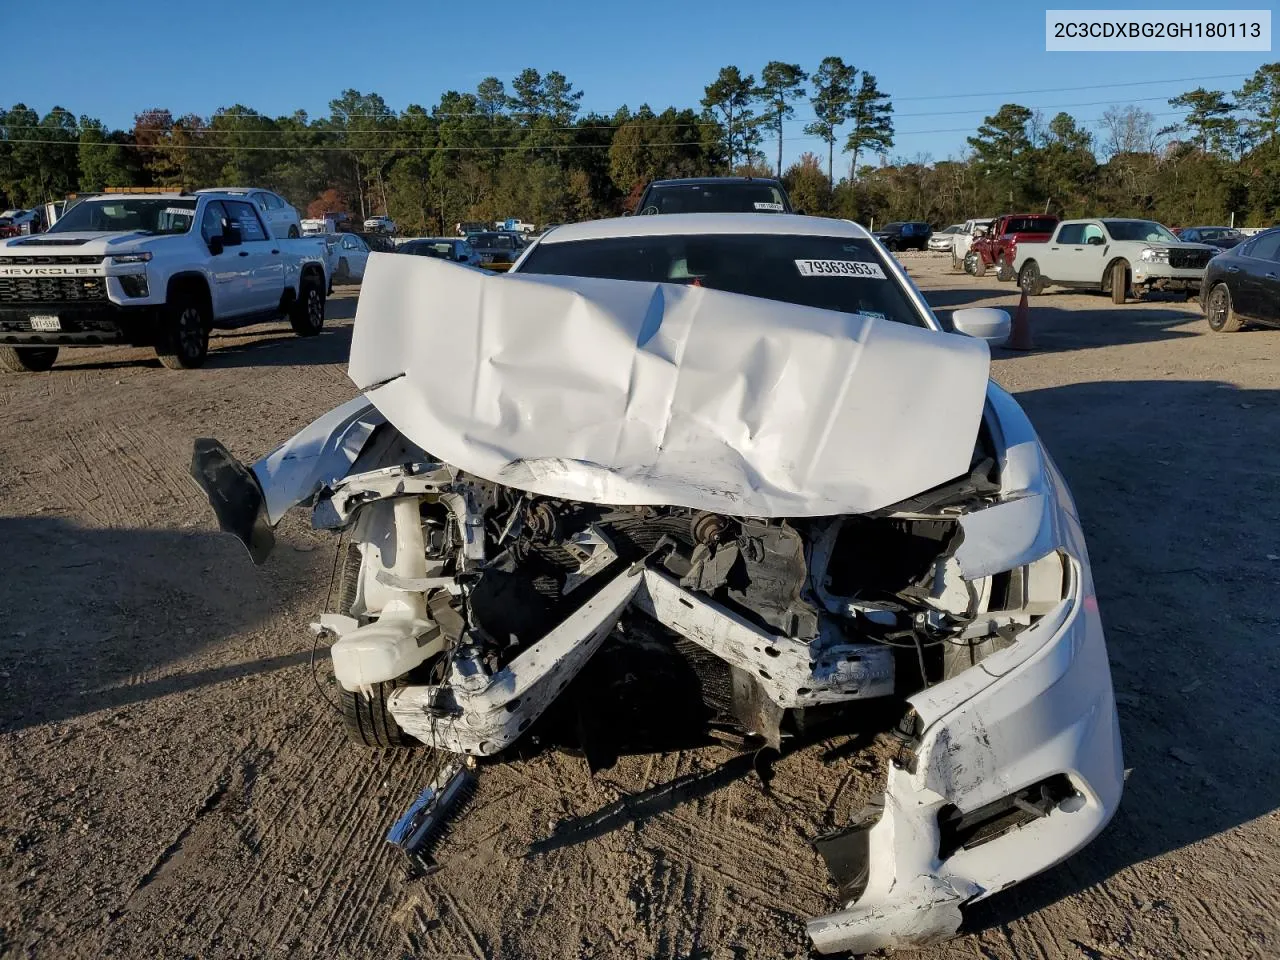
(277, 56)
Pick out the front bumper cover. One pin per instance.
(83, 325)
(1050, 717)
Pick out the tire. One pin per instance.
(1219, 312)
(306, 315)
(343, 273)
(974, 265)
(1029, 279)
(956, 264)
(366, 720)
(1119, 282)
(183, 343)
(293, 232)
(27, 359)
(1004, 272)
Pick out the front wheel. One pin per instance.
(1219, 312)
(1119, 282)
(1004, 272)
(1029, 279)
(306, 316)
(183, 343)
(974, 265)
(27, 359)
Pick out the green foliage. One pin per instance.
(832, 103)
(526, 148)
(780, 84)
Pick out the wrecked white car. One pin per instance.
(745, 442)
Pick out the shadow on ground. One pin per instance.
(1180, 501)
(96, 617)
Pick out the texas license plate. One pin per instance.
(46, 324)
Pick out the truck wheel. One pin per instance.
(974, 265)
(1222, 318)
(293, 232)
(183, 343)
(1119, 282)
(1004, 272)
(956, 264)
(1029, 279)
(27, 359)
(306, 316)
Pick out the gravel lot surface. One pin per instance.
(175, 786)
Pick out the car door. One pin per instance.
(357, 254)
(266, 264)
(1090, 259)
(1065, 249)
(1255, 288)
(230, 273)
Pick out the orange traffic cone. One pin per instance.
(1020, 338)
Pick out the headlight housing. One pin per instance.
(1152, 255)
(143, 257)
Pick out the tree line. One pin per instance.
(529, 150)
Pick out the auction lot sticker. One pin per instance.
(839, 268)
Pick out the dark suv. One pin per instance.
(911, 235)
(715, 195)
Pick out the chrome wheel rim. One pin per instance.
(1218, 309)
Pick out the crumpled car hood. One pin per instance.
(620, 392)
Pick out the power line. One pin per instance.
(1093, 86)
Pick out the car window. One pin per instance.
(832, 273)
(1093, 231)
(1031, 225)
(246, 219)
(1140, 230)
(1266, 247)
(1072, 233)
(214, 221)
(730, 197)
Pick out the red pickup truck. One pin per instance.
(999, 245)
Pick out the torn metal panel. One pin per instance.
(319, 455)
(485, 717)
(620, 392)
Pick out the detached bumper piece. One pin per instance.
(1003, 780)
(426, 822)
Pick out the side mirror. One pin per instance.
(983, 323)
(231, 237)
(215, 245)
(1096, 241)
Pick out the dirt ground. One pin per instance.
(173, 784)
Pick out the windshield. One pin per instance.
(429, 248)
(148, 215)
(1031, 225)
(832, 273)
(1217, 233)
(894, 227)
(1146, 230)
(744, 197)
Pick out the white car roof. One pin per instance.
(669, 224)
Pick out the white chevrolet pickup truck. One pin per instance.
(1120, 257)
(153, 269)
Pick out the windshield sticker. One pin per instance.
(839, 268)
(873, 314)
(179, 211)
(773, 207)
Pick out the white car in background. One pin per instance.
(352, 257)
(380, 225)
(961, 240)
(942, 240)
(281, 217)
